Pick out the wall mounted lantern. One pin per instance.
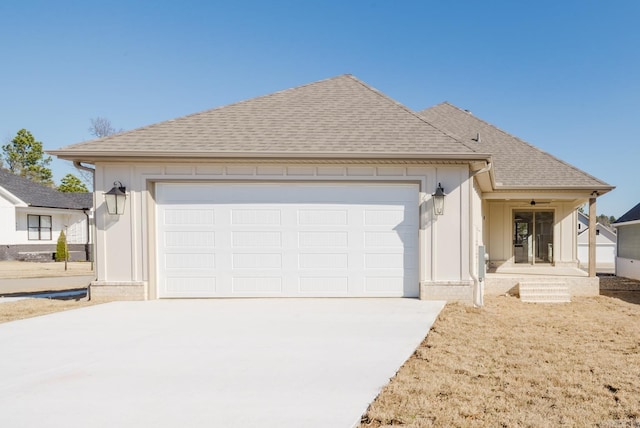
(115, 199)
(438, 200)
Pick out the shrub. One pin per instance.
(61, 248)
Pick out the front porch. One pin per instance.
(560, 281)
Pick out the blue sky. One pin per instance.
(562, 75)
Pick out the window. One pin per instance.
(39, 227)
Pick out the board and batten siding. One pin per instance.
(126, 244)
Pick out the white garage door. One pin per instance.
(287, 239)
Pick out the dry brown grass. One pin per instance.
(513, 364)
(17, 269)
(27, 308)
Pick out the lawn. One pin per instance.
(514, 364)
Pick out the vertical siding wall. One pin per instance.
(500, 230)
(125, 245)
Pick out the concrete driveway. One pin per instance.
(207, 363)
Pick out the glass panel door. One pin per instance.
(533, 237)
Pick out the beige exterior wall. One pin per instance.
(499, 231)
(125, 245)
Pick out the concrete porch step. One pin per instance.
(544, 292)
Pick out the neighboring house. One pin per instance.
(628, 259)
(326, 190)
(32, 216)
(606, 241)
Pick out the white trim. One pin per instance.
(12, 198)
(626, 223)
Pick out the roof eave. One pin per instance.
(93, 156)
(601, 189)
(625, 223)
(12, 198)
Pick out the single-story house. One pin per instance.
(32, 216)
(332, 189)
(606, 242)
(628, 258)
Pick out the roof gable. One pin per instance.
(37, 195)
(632, 215)
(341, 115)
(516, 163)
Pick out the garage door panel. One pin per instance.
(256, 239)
(384, 284)
(188, 285)
(255, 285)
(277, 239)
(323, 217)
(189, 216)
(323, 261)
(189, 238)
(323, 239)
(256, 217)
(257, 261)
(330, 286)
(190, 260)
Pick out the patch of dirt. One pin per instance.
(521, 364)
(27, 308)
(612, 282)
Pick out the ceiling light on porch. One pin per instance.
(115, 199)
(438, 200)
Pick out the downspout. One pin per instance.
(473, 173)
(478, 286)
(92, 171)
(88, 250)
(78, 164)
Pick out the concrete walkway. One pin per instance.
(207, 363)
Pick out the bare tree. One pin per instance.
(102, 127)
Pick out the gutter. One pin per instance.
(78, 164)
(82, 156)
(487, 168)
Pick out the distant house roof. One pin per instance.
(632, 215)
(337, 117)
(37, 195)
(584, 219)
(516, 163)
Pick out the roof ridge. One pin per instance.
(523, 142)
(407, 109)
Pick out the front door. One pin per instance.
(533, 236)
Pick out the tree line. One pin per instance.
(24, 156)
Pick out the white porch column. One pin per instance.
(592, 237)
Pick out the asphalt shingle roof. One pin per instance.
(516, 163)
(37, 195)
(340, 115)
(632, 215)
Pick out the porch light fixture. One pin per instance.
(438, 200)
(115, 199)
